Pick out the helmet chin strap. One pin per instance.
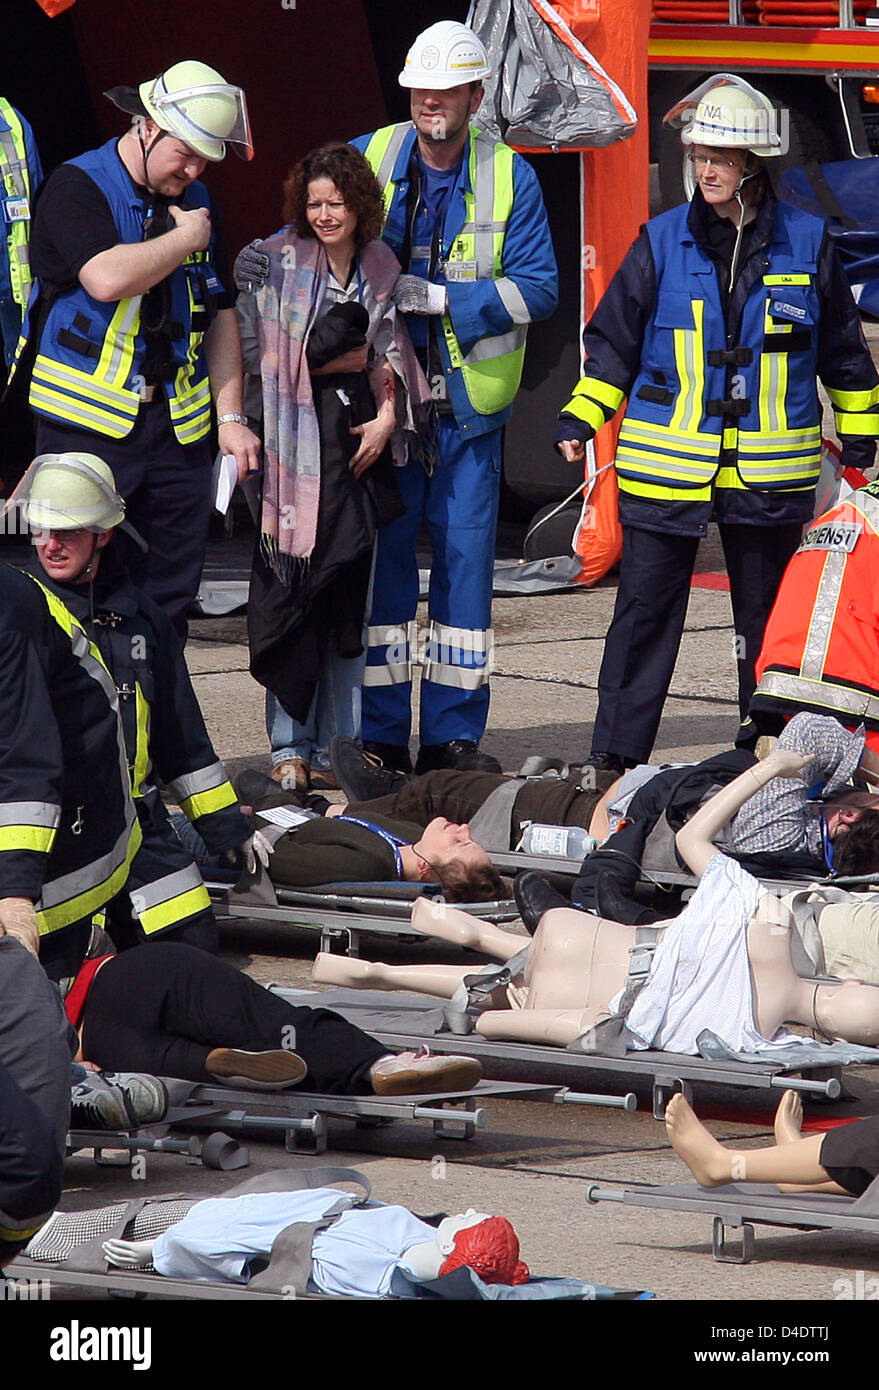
(145, 152)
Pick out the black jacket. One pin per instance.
(165, 736)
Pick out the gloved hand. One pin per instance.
(257, 847)
(18, 918)
(412, 295)
(251, 269)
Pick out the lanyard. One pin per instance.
(389, 838)
(828, 844)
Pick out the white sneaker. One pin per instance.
(423, 1073)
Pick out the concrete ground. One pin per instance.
(534, 1162)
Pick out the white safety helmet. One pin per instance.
(194, 103)
(726, 112)
(448, 54)
(70, 492)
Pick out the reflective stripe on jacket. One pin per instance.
(821, 645)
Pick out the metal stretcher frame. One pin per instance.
(739, 1207)
(668, 1072)
(341, 915)
(302, 1118)
(512, 863)
(132, 1283)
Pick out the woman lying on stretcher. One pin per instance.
(723, 966)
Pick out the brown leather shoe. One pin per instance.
(256, 1071)
(294, 774)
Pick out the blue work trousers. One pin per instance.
(459, 503)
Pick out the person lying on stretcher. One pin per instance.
(723, 966)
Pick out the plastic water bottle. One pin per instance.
(560, 841)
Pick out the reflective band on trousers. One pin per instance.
(398, 643)
(459, 657)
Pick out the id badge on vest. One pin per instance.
(17, 209)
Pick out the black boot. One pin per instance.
(393, 755)
(535, 895)
(613, 904)
(360, 775)
(461, 754)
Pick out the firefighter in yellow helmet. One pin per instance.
(134, 331)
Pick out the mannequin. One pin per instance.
(578, 963)
(218, 1238)
(841, 1162)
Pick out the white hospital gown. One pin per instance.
(356, 1255)
(700, 978)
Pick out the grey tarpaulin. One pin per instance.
(544, 91)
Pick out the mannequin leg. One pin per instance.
(440, 980)
(555, 1026)
(795, 1165)
(450, 924)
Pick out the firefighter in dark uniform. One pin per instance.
(68, 826)
(72, 507)
(715, 327)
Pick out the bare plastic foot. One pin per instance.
(788, 1124)
(708, 1161)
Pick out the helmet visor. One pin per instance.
(760, 127)
(208, 111)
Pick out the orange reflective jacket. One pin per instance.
(821, 644)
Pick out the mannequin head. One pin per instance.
(487, 1245)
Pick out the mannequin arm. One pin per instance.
(695, 839)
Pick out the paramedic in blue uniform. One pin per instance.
(134, 331)
(466, 219)
(715, 327)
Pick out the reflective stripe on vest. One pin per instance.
(170, 900)
(811, 686)
(89, 887)
(675, 426)
(140, 768)
(16, 183)
(492, 369)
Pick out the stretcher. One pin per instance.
(405, 1020)
(742, 1206)
(302, 1118)
(118, 1148)
(72, 1253)
(341, 912)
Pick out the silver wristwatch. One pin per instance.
(233, 418)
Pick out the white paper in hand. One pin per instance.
(225, 480)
